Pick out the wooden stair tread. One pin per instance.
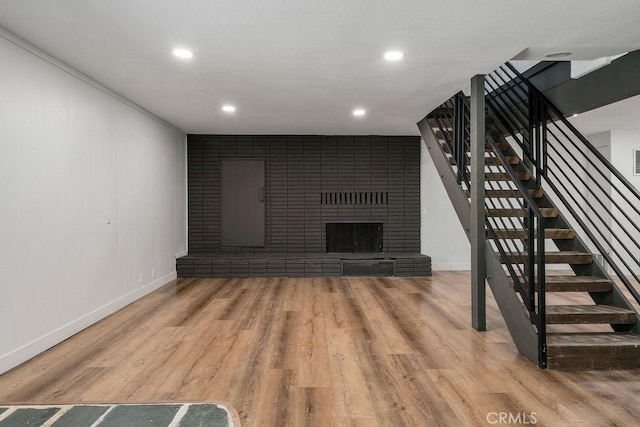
(586, 340)
(557, 257)
(562, 283)
(500, 176)
(449, 133)
(534, 193)
(505, 212)
(593, 350)
(502, 146)
(560, 278)
(490, 161)
(549, 233)
(583, 314)
(448, 113)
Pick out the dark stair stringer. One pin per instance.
(619, 348)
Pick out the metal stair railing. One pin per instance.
(522, 256)
(450, 118)
(601, 201)
(517, 240)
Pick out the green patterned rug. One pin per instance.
(120, 415)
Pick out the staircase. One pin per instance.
(549, 279)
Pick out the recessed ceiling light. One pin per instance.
(359, 112)
(394, 55)
(575, 115)
(183, 53)
(558, 55)
(228, 108)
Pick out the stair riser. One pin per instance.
(584, 319)
(608, 351)
(553, 259)
(593, 362)
(593, 351)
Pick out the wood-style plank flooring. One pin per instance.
(321, 351)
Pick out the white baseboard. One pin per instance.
(22, 354)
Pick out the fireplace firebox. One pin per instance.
(354, 237)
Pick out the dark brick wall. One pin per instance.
(298, 170)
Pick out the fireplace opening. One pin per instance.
(352, 237)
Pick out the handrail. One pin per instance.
(534, 226)
(576, 133)
(451, 115)
(554, 146)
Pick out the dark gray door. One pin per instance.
(242, 202)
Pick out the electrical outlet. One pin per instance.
(153, 273)
(140, 279)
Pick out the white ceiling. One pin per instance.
(302, 66)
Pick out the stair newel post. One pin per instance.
(477, 220)
(458, 145)
(542, 301)
(530, 265)
(537, 118)
(530, 145)
(534, 134)
(543, 126)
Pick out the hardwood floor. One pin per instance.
(343, 351)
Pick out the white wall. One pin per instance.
(595, 195)
(93, 196)
(617, 147)
(441, 234)
(623, 143)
